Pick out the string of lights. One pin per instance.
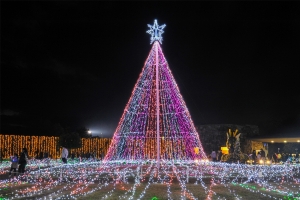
(132, 180)
(10, 144)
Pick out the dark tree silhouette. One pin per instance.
(83, 132)
(70, 141)
(57, 130)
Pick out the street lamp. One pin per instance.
(89, 132)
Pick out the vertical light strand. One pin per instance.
(157, 105)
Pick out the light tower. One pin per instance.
(156, 123)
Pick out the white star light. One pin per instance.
(156, 32)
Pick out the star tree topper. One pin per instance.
(156, 32)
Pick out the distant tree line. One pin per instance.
(72, 139)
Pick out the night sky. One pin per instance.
(76, 63)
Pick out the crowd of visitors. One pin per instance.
(276, 157)
(18, 164)
(285, 157)
(21, 162)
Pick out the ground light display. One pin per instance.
(155, 154)
(156, 123)
(142, 180)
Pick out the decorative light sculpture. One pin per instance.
(156, 123)
(156, 32)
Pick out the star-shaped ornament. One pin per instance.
(156, 31)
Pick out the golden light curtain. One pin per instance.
(10, 144)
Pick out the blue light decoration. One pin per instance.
(156, 31)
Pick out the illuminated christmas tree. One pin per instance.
(156, 123)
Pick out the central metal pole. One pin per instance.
(157, 107)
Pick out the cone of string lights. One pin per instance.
(156, 124)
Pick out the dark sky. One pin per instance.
(75, 63)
